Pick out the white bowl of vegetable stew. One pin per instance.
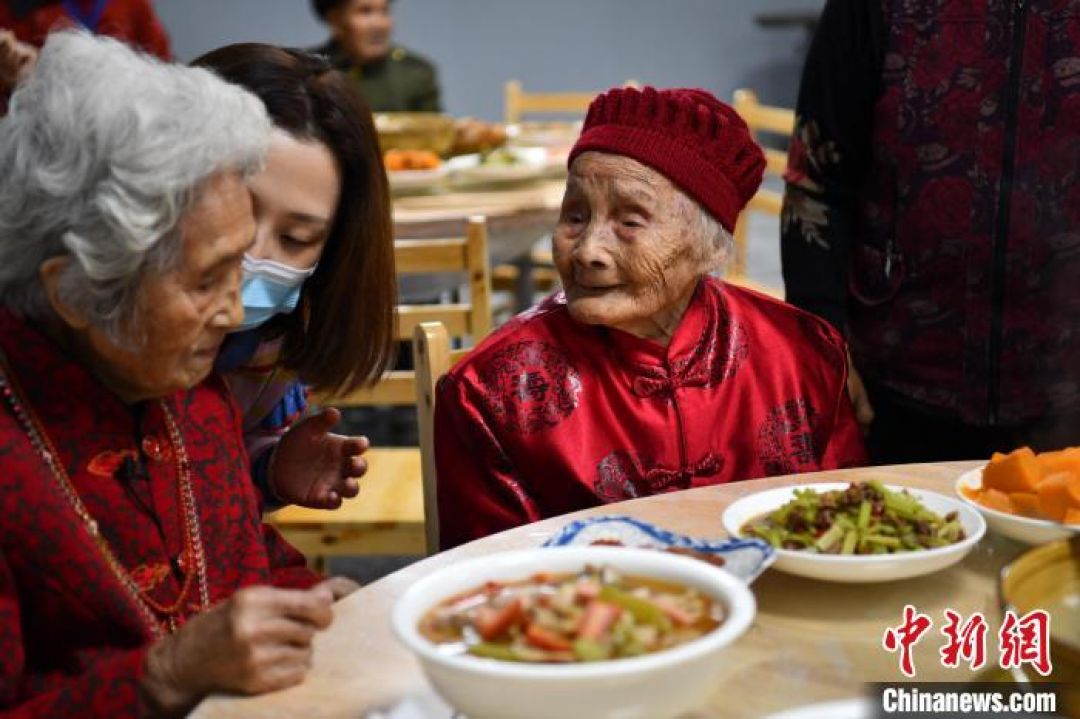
(595, 632)
(880, 545)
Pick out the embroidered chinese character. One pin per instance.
(906, 636)
(966, 642)
(1026, 641)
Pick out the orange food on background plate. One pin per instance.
(1041, 486)
(397, 160)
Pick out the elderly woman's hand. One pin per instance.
(340, 587)
(257, 641)
(16, 59)
(315, 468)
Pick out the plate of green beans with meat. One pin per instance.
(857, 532)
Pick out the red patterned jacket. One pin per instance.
(549, 415)
(72, 642)
(933, 205)
(133, 21)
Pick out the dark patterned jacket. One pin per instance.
(933, 203)
(548, 415)
(72, 640)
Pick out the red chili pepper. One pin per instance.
(543, 638)
(598, 619)
(492, 623)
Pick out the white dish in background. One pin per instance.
(1022, 529)
(529, 163)
(544, 134)
(665, 683)
(414, 180)
(744, 558)
(860, 567)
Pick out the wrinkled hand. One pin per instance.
(16, 60)
(257, 641)
(313, 467)
(340, 587)
(860, 400)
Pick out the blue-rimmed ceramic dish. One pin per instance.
(744, 558)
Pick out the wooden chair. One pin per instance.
(388, 515)
(776, 121)
(433, 358)
(517, 102)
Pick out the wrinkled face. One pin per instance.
(628, 246)
(295, 198)
(184, 313)
(363, 28)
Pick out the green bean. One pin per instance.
(587, 650)
(834, 534)
(864, 515)
(850, 539)
(494, 651)
(642, 610)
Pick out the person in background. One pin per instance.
(136, 575)
(24, 24)
(319, 282)
(391, 78)
(932, 215)
(132, 21)
(647, 374)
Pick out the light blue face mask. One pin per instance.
(269, 288)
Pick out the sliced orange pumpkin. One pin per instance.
(1053, 494)
(995, 499)
(1063, 460)
(1026, 503)
(1017, 472)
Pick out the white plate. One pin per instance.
(544, 134)
(416, 179)
(864, 567)
(744, 558)
(531, 163)
(1022, 529)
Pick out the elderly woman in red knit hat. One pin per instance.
(646, 374)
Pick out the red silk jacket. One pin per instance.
(72, 642)
(549, 415)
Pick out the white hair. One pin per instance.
(715, 244)
(102, 151)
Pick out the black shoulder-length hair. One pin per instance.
(341, 335)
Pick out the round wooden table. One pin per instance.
(811, 641)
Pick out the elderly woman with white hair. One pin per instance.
(135, 573)
(647, 374)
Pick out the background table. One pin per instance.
(518, 216)
(811, 641)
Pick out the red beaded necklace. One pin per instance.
(160, 618)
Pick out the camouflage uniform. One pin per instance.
(400, 82)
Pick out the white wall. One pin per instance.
(547, 44)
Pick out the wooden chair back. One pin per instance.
(776, 121)
(517, 102)
(433, 358)
(469, 321)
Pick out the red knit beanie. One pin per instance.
(687, 135)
